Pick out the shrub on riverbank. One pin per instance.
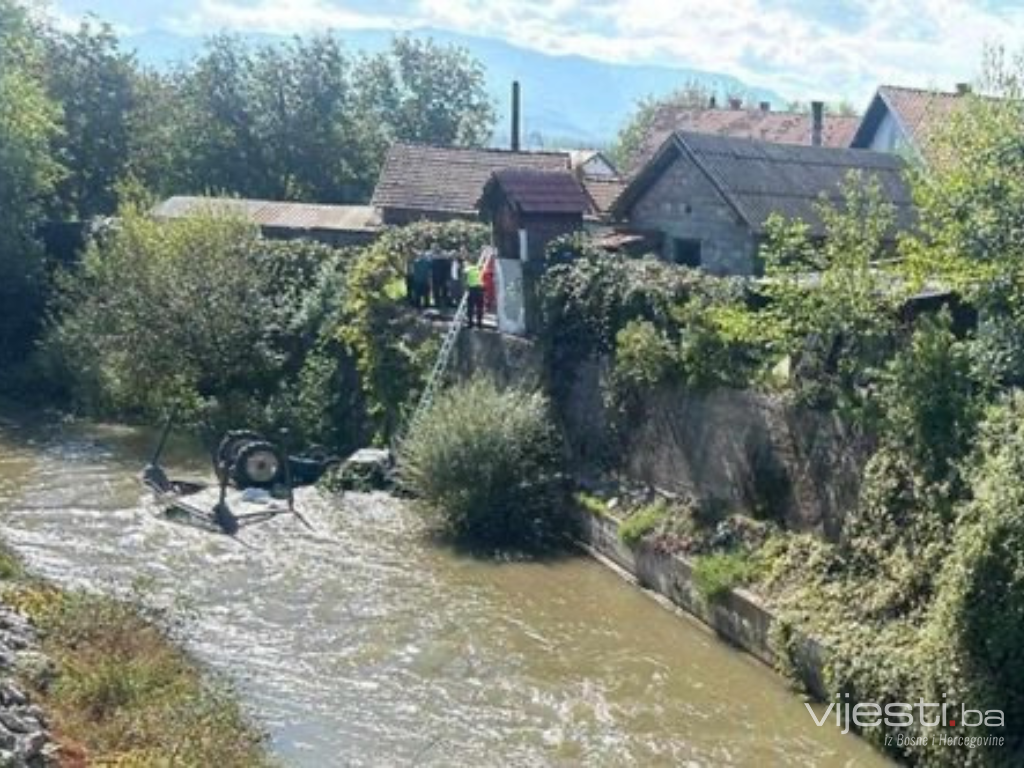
(485, 462)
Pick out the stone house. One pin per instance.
(708, 198)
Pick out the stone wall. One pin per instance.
(683, 203)
(732, 450)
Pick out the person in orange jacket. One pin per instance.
(490, 298)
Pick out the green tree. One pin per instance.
(970, 196)
(832, 301)
(92, 80)
(485, 462)
(424, 92)
(28, 173)
(199, 310)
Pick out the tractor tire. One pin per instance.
(228, 448)
(257, 464)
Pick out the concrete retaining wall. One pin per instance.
(738, 617)
(729, 450)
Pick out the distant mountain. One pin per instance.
(569, 101)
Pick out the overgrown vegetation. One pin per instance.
(716, 574)
(484, 462)
(642, 523)
(919, 597)
(393, 354)
(199, 311)
(121, 691)
(84, 126)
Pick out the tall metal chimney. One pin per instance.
(515, 115)
(817, 122)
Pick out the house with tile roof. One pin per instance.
(709, 197)
(905, 120)
(739, 121)
(425, 182)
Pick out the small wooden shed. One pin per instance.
(528, 209)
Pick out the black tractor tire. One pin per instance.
(230, 445)
(257, 464)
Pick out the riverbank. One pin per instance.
(89, 679)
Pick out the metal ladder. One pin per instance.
(443, 356)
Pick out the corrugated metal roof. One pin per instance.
(450, 180)
(282, 215)
(533, 191)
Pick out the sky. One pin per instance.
(805, 49)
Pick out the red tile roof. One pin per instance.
(449, 180)
(603, 191)
(919, 112)
(758, 124)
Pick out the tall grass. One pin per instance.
(120, 690)
(485, 462)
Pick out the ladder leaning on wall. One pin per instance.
(440, 368)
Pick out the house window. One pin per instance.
(686, 252)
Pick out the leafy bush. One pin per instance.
(716, 574)
(931, 399)
(830, 308)
(590, 503)
(590, 298)
(643, 523)
(644, 356)
(485, 462)
(979, 615)
(201, 311)
(392, 352)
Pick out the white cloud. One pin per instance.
(806, 49)
(282, 17)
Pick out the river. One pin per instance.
(368, 643)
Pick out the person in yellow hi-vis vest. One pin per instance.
(475, 294)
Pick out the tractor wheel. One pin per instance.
(230, 445)
(257, 464)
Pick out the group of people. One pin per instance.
(438, 279)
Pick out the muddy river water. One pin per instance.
(368, 643)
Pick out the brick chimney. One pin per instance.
(817, 123)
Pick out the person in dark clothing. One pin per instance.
(421, 281)
(475, 289)
(440, 274)
(410, 283)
